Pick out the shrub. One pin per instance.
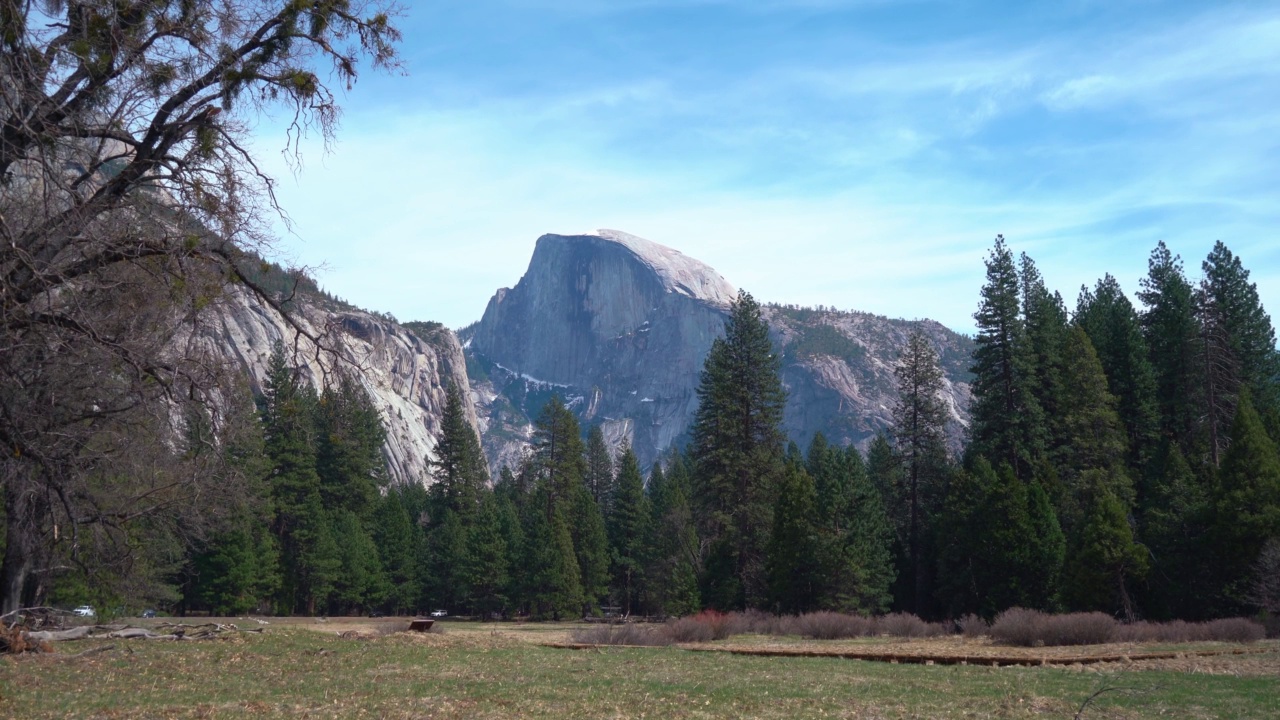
(718, 622)
(1018, 626)
(621, 634)
(827, 625)
(902, 625)
(1092, 628)
(1240, 630)
(687, 630)
(973, 626)
(756, 622)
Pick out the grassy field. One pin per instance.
(491, 671)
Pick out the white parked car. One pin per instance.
(84, 611)
(439, 613)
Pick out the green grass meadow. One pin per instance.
(474, 673)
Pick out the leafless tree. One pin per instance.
(129, 201)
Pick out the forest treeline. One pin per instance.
(1119, 458)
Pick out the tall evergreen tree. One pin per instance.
(552, 578)
(988, 543)
(558, 450)
(1094, 437)
(599, 473)
(349, 439)
(737, 454)
(1045, 320)
(1007, 421)
(590, 544)
(919, 423)
(395, 537)
(1104, 559)
(859, 561)
(1114, 328)
(794, 561)
(308, 553)
(1247, 504)
(673, 577)
(1175, 523)
(360, 582)
(1218, 375)
(1169, 326)
(487, 558)
(630, 526)
(459, 469)
(1252, 337)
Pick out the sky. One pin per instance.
(861, 154)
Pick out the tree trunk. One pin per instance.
(18, 588)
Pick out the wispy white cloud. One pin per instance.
(871, 178)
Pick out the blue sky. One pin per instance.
(853, 153)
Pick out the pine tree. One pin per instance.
(1169, 326)
(1175, 523)
(1007, 421)
(794, 560)
(590, 544)
(1104, 559)
(459, 468)
(360, 582)
(554, 584)
(487, 558)
(630, 532)
(1045, 320)
(349, 439)
(308, 553)
(599, 474)
(515, 587)
(885, 473)
(1252, 337)
(1048, 549)
(1247, 503)
(673, 579)
(558, 450)
(737, 455)
(988, 543)
(1094, 437)
(1114, 328)
(858, 559)
(395, 537)
(919, 423)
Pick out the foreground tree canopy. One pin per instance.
(128, 201)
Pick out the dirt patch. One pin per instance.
(1260, 659)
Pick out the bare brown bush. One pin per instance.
(834, 626)
(757, 622)
(973, 626)
(689, 630)
(904, 625)
(1238, 630)
(1018, 626)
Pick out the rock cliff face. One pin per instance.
(619, 327)
(838, 368)
(616, 325)
(405, 372)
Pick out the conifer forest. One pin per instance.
(1121, 458)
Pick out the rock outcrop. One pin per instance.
(619, 327)
(405, 372)
(615, 324)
